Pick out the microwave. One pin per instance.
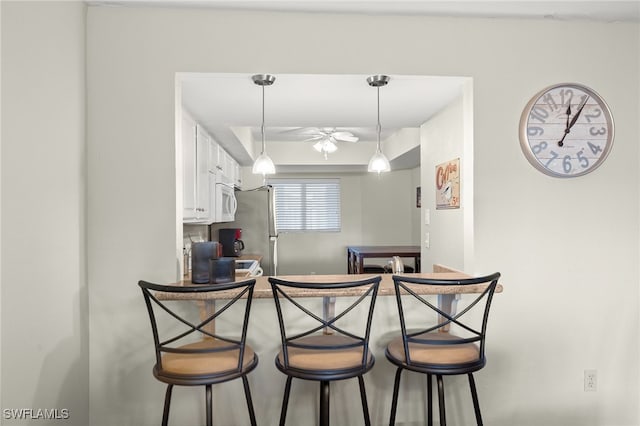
(225, 203)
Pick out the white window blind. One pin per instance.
(307, 204)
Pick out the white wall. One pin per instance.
(45, 360)
(570, 275)
(442, 141)
(0, 214)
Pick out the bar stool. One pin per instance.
(451, 344)
(188, 353)
(310, 352)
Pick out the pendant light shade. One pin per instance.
(379, 162)
(263, 164)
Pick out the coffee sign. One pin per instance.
(448, 185)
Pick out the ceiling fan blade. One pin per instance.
(345, 137)
(315, 138)
(302, 131)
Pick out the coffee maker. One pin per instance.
(232, 245)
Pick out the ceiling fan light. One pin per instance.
(379, 163)
(326, 146)
(263, 165)
(330, 147)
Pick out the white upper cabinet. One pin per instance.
(229, 168)
(205, 163)
(213, 156)
(238, 173)
(203, 143)
(196, 144)
(216, 158)
(231, 171)
(189, 177)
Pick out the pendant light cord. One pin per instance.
(378, 128)
(262, 127)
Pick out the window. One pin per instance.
(307, 204)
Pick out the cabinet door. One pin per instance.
(213, 156)
(189, 191)
(238, 182)
(216, 157)
(229, 168)
(212, 197)
(203, 141)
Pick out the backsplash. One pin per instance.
(192, 234)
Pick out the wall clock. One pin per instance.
(566, 130)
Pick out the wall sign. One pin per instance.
(448, 185)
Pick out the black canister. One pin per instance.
(222, 270)
(201, 254)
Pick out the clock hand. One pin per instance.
(573, 120)
(566, 129)
(575, 117)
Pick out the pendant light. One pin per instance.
(378, 163)
(263, 164)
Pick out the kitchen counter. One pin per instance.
(447, 294)
(262, 288)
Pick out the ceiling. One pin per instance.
(229, 105)
(609, 11)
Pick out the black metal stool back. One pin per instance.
(443, 343)
(189, 352)
(316, 347)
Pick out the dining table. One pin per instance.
(447, 295)
(357, 254)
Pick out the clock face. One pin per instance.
(566, 130)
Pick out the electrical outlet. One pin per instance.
(590, 380)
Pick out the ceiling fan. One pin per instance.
(325, 137)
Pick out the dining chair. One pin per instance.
(189, 352)
(325, 349)
(443, 344)
(396, 266)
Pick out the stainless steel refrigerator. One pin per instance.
(256, 217)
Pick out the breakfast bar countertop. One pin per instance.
(263, 288)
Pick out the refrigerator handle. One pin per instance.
(274, 255)
(271, 206)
